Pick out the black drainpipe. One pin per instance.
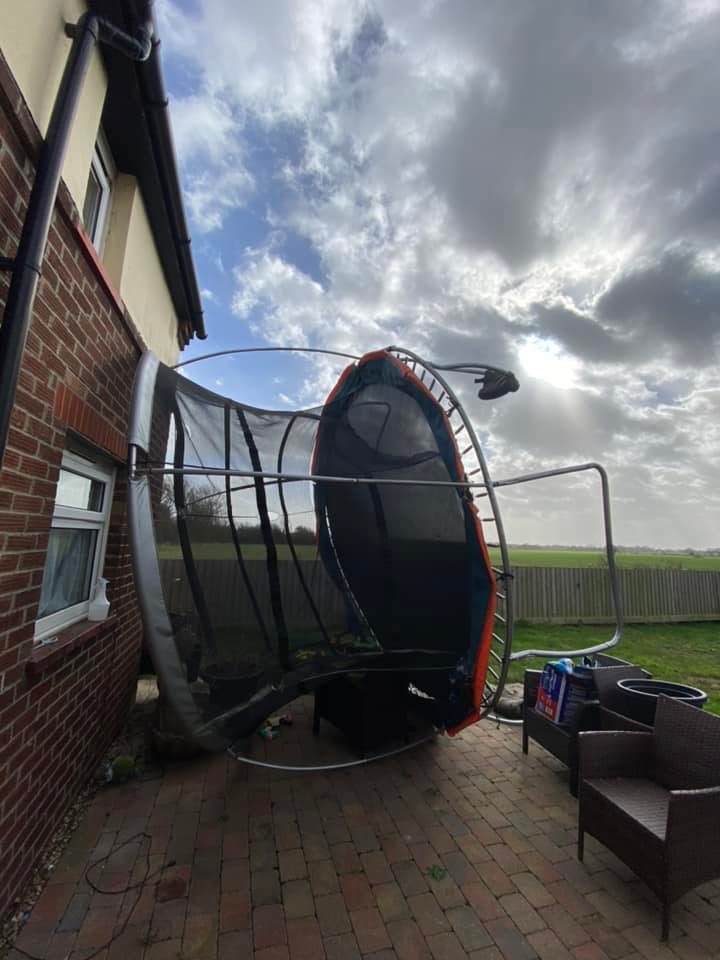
(27, 265)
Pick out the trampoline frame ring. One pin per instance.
(503, 655)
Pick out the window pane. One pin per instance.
(91, 207)
(68, 569)
(83, 493)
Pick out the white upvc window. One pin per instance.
(78, 537)
(96, 208)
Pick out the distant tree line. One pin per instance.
(207, 521)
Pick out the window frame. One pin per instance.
(103, 167)
(74, 518)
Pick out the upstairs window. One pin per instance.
(76, 550)
(96, 207)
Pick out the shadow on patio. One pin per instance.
(460, 847)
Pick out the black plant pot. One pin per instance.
(231, 684)
(638, 699)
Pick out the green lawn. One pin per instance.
(519, 558)
(593, 558)
(686, 653)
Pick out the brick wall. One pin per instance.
(61, 705)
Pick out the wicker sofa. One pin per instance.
(599, 713)
(654, 799)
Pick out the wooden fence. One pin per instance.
(542, 594)
(583, 595)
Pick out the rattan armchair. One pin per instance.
(654, 799)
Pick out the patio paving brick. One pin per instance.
(377, 869)
(460, 848)
(292, 865)
(369, 929)
(298, 899)
(343, 947)
(356, 891)
(332, 914)
(407, 939)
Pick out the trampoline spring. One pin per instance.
(460, 429)
(473, 472)
(496, 675)
(500, 617)
(500, 596)
(489, 519)
(466, 450)
(496, 636)
(422, 375)
(494, 545)
(441, 397)
(496, 656)
(430, 388)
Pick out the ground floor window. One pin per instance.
(76, 549)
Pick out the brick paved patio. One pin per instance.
(458, 848)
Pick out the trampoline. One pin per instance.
(276, 550)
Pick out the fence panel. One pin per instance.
(583, 594)
(541, 593)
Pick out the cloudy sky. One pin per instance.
(533, 184)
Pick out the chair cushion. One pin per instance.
(642, 800)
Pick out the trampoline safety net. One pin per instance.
(256, 586)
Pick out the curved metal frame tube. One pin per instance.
(321, 768)
(470, 368)
(609, 550)
(230, 353)
(306, 477)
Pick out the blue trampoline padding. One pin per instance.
(463, 702)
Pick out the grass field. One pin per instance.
(519, 558)
(591, 558)
(686, 653)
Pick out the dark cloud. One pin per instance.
(666, 310)
(467, 335)
(576, 106)
(554, 424)
(673, 303)
(581, 334)
(551, 75)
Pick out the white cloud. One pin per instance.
(211, 194)
(529, 184)
(208, 135)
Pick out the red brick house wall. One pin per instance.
(61, 705)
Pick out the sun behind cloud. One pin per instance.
(545, 360)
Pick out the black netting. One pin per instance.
(272, 585)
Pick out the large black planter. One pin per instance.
(231, 684)
(638, 698)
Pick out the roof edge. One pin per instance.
(155, 103)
